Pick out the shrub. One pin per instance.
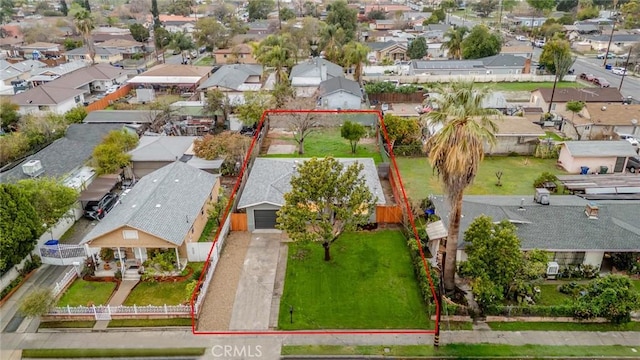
(579, 272)
(572, 288)
(624, 261)
(13, 284)
(414, 148)
(106, 254)
(543, 178)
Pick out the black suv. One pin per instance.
(633, 164)
(96, 210)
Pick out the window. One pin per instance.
(553, 106)
(43, 108)
(202, 211)
(82, 57)
(224, 56)
(77, 99)
(130, 234)
(569, 258)
(104, 57)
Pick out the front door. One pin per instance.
(619, 164)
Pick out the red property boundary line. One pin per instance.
(228, 209)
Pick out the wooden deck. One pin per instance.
(604, 184)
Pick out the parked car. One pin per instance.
(601, 82)
(608, 55)
(539, 43)
(521, 38)
(587, 77)
(619, 71)
(633, 164)
(96, 210)
(111, 89)
(630, 138)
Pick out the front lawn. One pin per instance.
(328, 142)
(162, 292)
(549, 295)
(562, 326)
(149, 322)
(530, 86)
(519, 172)
(85, 293)
(204, 61)
(368, 284)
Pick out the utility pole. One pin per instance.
(613, 28)
(626, 64)
(279, 18)
(500, 16)
(436, 336)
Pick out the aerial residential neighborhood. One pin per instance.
(286, 179)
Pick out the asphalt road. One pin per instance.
(630, 85)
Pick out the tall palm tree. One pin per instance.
(277, 52)
(85, 23)
(331, 40)
(454, 41)
(456, 150)
(355, 53)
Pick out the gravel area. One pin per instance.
(218, 305)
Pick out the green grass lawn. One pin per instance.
(464, 351)
(67, 324)
(530, 86)
(110, 353)
(161, 293)
(368, 284)
(562, 326)
(549, 295)
(204, 61)
(328, 142)
(518, 175)
(83, 293)
(636, 284)
(149, 322)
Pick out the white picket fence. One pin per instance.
(104, 312)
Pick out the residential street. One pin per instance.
(591, 65)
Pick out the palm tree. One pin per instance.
(355, 53)
(456, 151)
(454, 41)
(331, 39)
(276, 51)
(85, 23)
(180, 41)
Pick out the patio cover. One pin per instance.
(99, 187)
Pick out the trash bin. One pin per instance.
(608, 67)
(603, 169)
(584, 170)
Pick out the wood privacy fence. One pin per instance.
(239, 222)
(107, 100)
(389, 214)
(416, 97)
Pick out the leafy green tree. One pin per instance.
(217, 102)
(401, 130)
(562, 62)
(542, 5)
(343, 17)
(19, 227)
(70, 44)
(255, 103)
(39, 302)
(50, 198)
(6, 11)
(9, 115)
(326, 199)
(484, 8)
(480, 43)
(63, 7)
(588, 13)
(259, 9)
(161, 39)
(631, 14)
(178, 7)
(139, 32)
(277, 52)
(613, 297)
(232, 147)
(555, 47)
(456, 151)
(180, 41)
(210, 32)
(453, 44)
(566, 5)
(509, 5)
(42, 129)
(75, 115)
(332, 38)
(550, 28)
(287, 14)
(575, 107)
(418, 48)
(111, 154)
(355, 53)
(12, 146)
(353, 132)
(376, 14)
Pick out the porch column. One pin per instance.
(121, 261)
(177, 258)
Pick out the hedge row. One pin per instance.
(531, 310)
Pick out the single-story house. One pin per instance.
(526, 21)
(64, 155)
(44, 75)
(167, 209)
(124, 46)
(269, 180)
(168, 76)
(234, 80)
(121, 117)
(306, 76)
(620, 42)
(542, 97)
(561, 228)
(40, 50)
(340, 93)
(524, 51)
(387, 50)
(594, 154)
(103, 55)
(238, 54)
(600, 120)
(515, 134)
(497, 64)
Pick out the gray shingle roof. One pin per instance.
(560, 226)
(232, 76)
(311, 68)
(121, 116)
(99, 51)
(503, 60)
(339, 83)
(65, 154)
(600, 148)
(269, 180)
(449, 64)
(164, 203)
(379, 45)
(161, 148)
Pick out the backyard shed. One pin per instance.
(575, 156)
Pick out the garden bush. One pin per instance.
(543, 178)
(530, 310)
(578, 272)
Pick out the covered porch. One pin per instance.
(136, 258)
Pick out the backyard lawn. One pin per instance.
(368, 284)
(519, 172)
(549, 295)
(328, 142)
(530, 86)
(83, 293)
(161, 293)
(204, 61)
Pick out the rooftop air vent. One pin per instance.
(591, 210)
(32, 168)
(542, 196)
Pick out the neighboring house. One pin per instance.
(64, 155)
(100, 38)
(562, 228)
(44, 75)
(391, 50)
(515, 135)
(594, 154)
(178, 23)
(497, 64)
(307, 76)
(136, 120)
(234, 80)
(70, 90)
(13, 76)
(124, 46)
(40, 50)
(167, 209)
(12, 37)
(620, 43)
(525, 21)
(103, 55)
(340, 93)
(171, 76)
(384, 24)
(542, 97)
(524, 51)
(238, 54)
(599, 120)
(270, 178)
(154, 152)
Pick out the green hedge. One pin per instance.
(531, 310)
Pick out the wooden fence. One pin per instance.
(239, 222)
(416, 97)
(107, 100)
(389, 214)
